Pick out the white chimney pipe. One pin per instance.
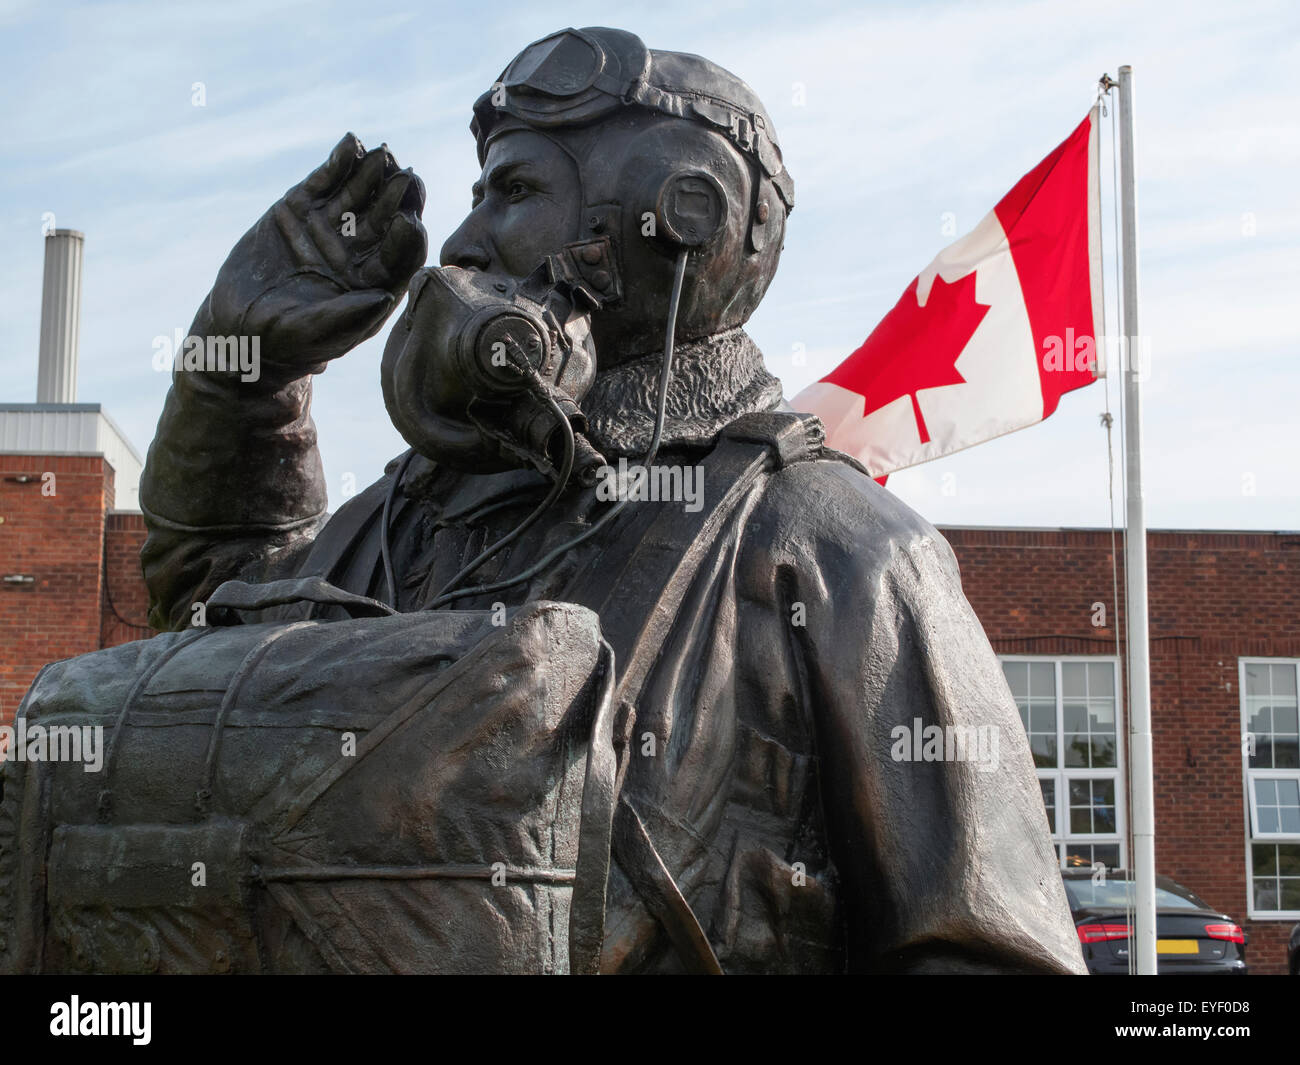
(56, 378)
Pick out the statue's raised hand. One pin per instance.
(323, 268)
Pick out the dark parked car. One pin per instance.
(1191, 937)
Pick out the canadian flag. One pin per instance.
(989, 336)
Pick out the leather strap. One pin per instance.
(658, 890)
(667, 557)
(599, 789)
(240, 595)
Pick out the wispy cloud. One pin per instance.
(891, 116)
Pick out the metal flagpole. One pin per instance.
(1135, 564)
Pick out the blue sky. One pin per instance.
(890, 116)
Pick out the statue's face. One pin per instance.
(527, 205)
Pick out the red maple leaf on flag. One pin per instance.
(914, 347)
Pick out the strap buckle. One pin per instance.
(742, 131)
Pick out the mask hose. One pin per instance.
(665, 379)
(561, 477)
(385, 547)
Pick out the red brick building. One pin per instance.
(1225, 644)
(70, 578)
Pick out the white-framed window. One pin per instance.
(1071, 711)
(1270, 754)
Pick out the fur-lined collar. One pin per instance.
(714, 381)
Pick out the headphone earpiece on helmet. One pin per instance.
(690, 209)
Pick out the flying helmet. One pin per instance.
(672, 152)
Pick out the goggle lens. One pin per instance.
(560, 66)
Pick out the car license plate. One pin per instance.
(1177, 946)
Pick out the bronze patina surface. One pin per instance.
(504, 711)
